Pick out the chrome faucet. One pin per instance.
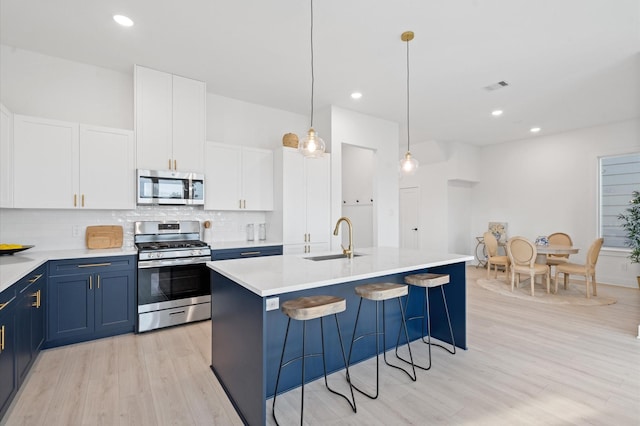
(349, 250)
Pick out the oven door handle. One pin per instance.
(145, 264)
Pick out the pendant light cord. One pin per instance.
(312, 75)
(408, 136)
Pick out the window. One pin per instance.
(619, 177)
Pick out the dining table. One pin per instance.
(544, 250)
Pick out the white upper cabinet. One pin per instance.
(107, 168)
(46, 161)
(306, 201)
(238, 178)
(6, 157)
(170, 120)
(62, 165)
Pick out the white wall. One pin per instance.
(45, 86)
(550, 184)
(347, 127)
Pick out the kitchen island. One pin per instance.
(248, 328)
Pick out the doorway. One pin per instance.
(410, 217)
(357, 193)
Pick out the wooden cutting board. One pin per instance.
(104, 236)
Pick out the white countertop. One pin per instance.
(271, 275)
(14, 267)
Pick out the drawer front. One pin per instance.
(244, 252)
(91, 265)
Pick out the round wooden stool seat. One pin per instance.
(306, 308)
(381, 291)
(427, 280)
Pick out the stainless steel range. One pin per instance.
(173, 279)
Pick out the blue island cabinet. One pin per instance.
(90, 298)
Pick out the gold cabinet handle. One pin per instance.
(175, 164)
(239, 204)
(98, 281)
(90, 283)
(35, 278)
(36, 304)
(75, 200)
(82, 200)
(2, 305)
(2, 338)
(249, 253)
(93, 265)
(169, 163)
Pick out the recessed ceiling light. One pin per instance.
(534, 129)
(496, 113)
(356, 95)
(123, 20)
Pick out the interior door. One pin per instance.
(409, 217)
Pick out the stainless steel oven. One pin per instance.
(173, 279)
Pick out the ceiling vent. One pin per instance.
(496, 86)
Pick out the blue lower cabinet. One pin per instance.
(8, 382)
(90, 299)
(30, 320)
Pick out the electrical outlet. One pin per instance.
(273, 303)
(75, 230)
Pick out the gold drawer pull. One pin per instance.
(2, 305)
(93, 265)
(35, 278)
(2, 339)
(249, 253)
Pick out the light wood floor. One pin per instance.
(527, 364)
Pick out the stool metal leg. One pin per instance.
(384, 343)
(426, 314)
(303, 357)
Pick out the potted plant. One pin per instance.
(631, 224)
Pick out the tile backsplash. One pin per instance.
(54, 229)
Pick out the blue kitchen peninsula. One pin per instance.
(248, 328)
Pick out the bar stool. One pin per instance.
(428, 281)
(380, 292)
(304, 309)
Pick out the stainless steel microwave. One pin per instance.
(169, 187)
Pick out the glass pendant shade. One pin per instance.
(311, 145)
(409, 165)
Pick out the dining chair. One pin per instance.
(561, 239)
(491, 244)
(522, 255)
(588, 269)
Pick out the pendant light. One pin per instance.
(408, 164)
(311, 145)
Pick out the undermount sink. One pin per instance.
(331, 257)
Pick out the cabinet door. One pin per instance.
(114, 300)
(70, 304)
(45, 163)
(107, 168)
(6, 157)
(257, 179)
(294, 208)
(189, 124)
(153, 118)
(8, 382)
(318, 211)
(223, 177)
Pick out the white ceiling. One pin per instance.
(569, 63)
